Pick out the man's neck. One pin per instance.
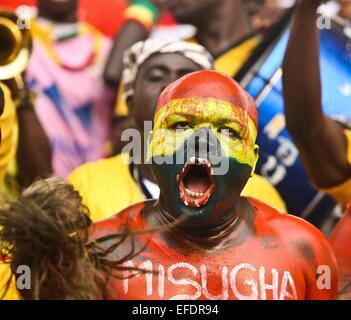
(215, 235)
(226, 26)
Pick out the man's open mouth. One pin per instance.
(196, 182)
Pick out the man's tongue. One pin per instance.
(197, 180)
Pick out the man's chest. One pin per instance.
(229, 276)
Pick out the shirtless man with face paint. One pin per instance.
(222, 246)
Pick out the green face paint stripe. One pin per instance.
(166, 141)
(236, 177)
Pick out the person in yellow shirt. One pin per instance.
(110, 185)
(26, 136)
(7, 154)
(7, 130)
(324, 145)
(21, 136)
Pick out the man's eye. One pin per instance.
(155, 78)
(182, 126)
(229, 132)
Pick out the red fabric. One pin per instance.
(15, 3)
(210, 84)
(106, 15)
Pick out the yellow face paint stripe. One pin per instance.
(204, 113)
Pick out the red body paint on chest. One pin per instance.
(274, 262)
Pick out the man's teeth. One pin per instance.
(201, 161)
(194, 194)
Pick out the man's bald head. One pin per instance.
(209, 84)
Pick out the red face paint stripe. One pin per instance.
(210, 84)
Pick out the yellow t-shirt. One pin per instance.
(231, 61)
(260, 188)
(342, 192)
(7, 127)
(107, 187)
(7, 156)
(12, 293)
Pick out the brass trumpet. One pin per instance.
(15, 46)
(15, 51)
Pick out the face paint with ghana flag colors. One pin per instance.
(202, 147)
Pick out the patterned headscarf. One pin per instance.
(143, 50)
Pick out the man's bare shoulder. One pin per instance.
(293, 233)
(130, 217)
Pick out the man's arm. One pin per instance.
(33, 150)
(320, 264)
(324, 277)
(314, 256)
(321, 142)
(130, 33)
(140, 17)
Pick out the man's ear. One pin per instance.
(256, 151)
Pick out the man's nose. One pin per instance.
(204, 141)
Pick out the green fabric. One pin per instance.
(149, 6)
